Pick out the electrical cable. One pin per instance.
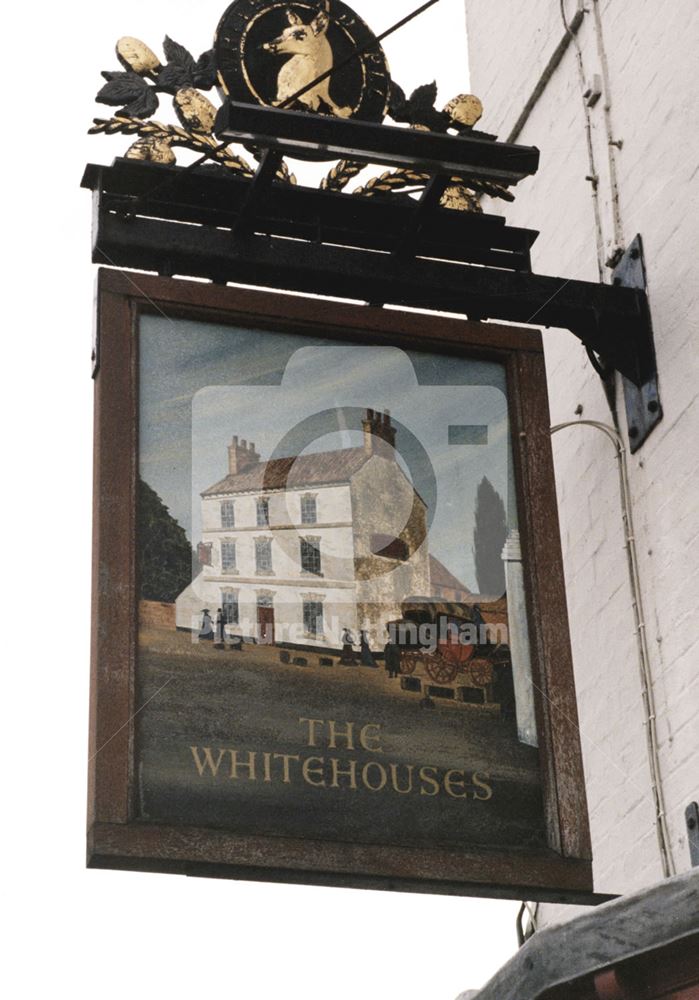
(592, 177)
(648, 698)
(612, 144)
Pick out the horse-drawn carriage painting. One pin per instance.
(467, 648)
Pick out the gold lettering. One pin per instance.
(267, 759)
(394, 778)
(208, 760)
(286, 757)
(337, 773)
(484, 786)
(365, 738)
(250, 765)
(336, 734)
(425, 777)
(383, 777)
(312, 723)
(450, 781)
(316, 771)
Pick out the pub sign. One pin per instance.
(329, 636)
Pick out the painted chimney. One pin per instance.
(378, 433)
(241, 456)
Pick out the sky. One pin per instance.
(87, 933)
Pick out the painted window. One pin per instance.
(313, 617)
(310, 555)
(262, 512)
(228, 563)
(230, 607)
(227, 514)
(309, 510)
(263, 555)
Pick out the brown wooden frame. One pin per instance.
(115, 840)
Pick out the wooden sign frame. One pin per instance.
(116, 837)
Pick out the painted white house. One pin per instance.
(295, 550)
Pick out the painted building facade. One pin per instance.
(297, 549)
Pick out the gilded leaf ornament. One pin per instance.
(136, 90)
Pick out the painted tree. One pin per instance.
(165, 555)
(489, 536)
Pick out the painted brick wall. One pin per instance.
(650, 50)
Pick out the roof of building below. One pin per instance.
(296, 472)
(626, 932)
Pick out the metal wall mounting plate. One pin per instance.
(691, 815)
(643, 409)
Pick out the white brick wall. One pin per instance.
(650, 49)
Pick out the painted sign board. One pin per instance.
(329, 629)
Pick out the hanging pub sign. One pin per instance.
(330, 637)
(330, 641)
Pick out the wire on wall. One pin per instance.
(612, 144)
(593, 176)
(648, 698)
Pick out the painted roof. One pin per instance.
(441, 577)
(295, 472)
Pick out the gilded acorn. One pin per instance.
(465, 109)
(194, 110)
(460, 199)
(134, 55)
(152, 150)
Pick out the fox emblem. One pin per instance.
(311, 56)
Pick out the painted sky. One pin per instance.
(203, 383)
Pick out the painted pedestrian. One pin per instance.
(207, 626)
(391, 652)
(220, 626)
(366, 657)
(348, 655)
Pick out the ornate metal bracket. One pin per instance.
(144, 216)
(381, 247)
(144, 79)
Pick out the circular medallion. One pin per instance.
(267, 52)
